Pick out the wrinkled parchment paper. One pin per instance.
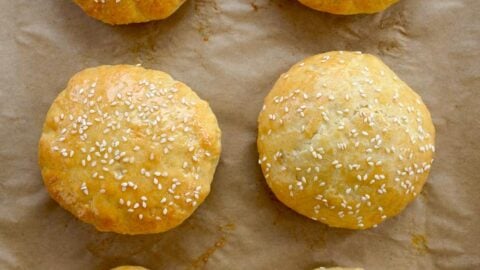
(231, 52)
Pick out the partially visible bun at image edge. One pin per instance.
(349, 7)
(129, 267)
(129, 11)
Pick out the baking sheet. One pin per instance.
(231, 53)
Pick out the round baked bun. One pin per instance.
(343, 141)
(349, 7)
(129, 267)
(129, 150)
(129, 11)
(337, 268)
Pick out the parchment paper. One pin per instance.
(231, 52)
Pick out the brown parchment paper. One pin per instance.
(231, 52)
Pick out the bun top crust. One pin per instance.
(129, 11)
(349, 7)
(129, 150)
(343, 141)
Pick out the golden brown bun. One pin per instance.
(129, 267)
(129, 11)
(343, 141)
(349, 7)
(129, 150)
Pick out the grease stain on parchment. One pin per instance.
(200, 261)
(205, 11)
(394, 28)
(254, 5)
(419, 242)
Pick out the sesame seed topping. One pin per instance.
(357, 125)
(138, 128)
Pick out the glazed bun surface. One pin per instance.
(349, 7)
(129, 150)
(129, 11)
(344, 141)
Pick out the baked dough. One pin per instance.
(349, 7)
(129, 11)
(129, 150)
(343, 141)
(129, 267)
